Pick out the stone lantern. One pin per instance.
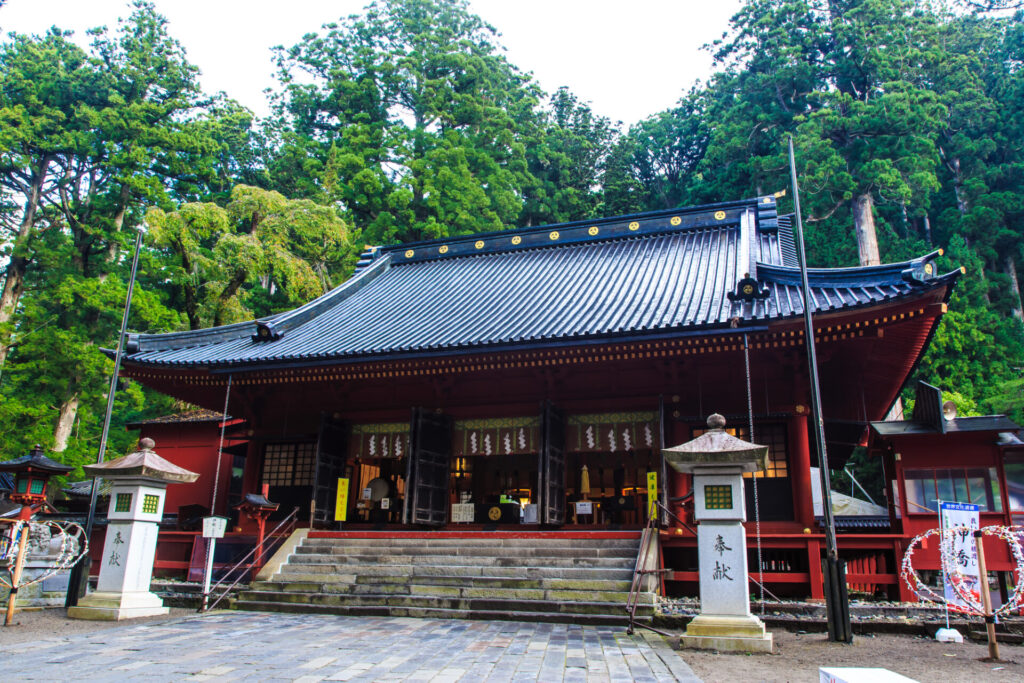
(32, 474)
(257, 507)
(138, 484)
(717, 461)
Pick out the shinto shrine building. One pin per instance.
(492, 381)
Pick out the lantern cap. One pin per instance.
(142, 463)
(256, 500)
(35, 460)
(717, 448)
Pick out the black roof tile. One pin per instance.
(666, 272)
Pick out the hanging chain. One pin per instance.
(753, 475)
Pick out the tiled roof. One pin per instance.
(185, 416)
(667, 272)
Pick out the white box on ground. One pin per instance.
(213, 527)
(857, 674)
(530, 514)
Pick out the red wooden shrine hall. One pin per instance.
(497, 380)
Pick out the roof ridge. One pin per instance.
(682, 219)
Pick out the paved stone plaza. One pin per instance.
(252, 646)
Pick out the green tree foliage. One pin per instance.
(907, 121)
(258, 254)
(406, 122)
(88, 139)
(410, 118)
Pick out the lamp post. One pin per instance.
(32, 474)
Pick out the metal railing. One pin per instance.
(258, 555)
(640, 571)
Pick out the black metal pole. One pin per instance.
(836, 598)
(80, 572)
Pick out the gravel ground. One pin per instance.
(800, 655)
(32, 625)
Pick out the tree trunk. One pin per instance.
(1011, 270)
(17, 265)
(864, 226)
(66, 416)
(113, 246)
(958, 187)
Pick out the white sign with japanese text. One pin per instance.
(962, 519)
(463, 512)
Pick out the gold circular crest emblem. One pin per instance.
(766, 200)
(554, 235)
(676, 220)
(479, 244)
(494, 513)
(719, 215)
(593, 230)
(928, 268)
(748, 289)
(409, 253)
(443, 249)
(634, 226)
(517, 239)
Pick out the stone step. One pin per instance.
(398, 570)
(456, 560)
(446, 591)
(461, 581)
(462, 604)
(412, 551)
(610, 619)
(390, 542)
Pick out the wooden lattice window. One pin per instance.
(771, 435)
(289, 464)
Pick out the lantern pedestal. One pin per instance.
(138, 487)
(717, 461)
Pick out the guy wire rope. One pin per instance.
(753, 475)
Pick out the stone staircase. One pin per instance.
(574, 577)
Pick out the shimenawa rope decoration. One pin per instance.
(954, 572)
(73, 547)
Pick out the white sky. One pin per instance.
(628, 58)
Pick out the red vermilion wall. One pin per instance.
(192, 445)
(930, 451)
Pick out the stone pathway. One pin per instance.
(253, 646)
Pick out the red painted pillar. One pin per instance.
(817, 580)
(681, 486)
(800, 470)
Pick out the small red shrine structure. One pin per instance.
(936, 456)
(466, 382)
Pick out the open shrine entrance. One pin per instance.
(549, 470)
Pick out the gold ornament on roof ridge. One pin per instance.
(479, 244)
(634, 225)
(409, 253)
(443, 249)
(719, 215)
(517, 239)
(676, 220)
(593, 230)
(554, 235)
